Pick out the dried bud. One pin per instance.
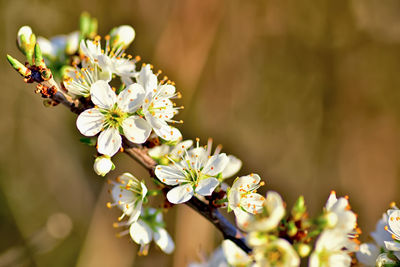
(122, 36)
(103, 165)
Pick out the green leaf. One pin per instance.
(90, 141)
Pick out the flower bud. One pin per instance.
(331, 219)
(303, 250)
(72, 44)
(103, 165)
(26, 42)
(298, 209)
(386, 260)
(122, 36)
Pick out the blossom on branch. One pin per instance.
(192, 174)
(112, 116)
(128, 194)
(150, 226)
(242, 194)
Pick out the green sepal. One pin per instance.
(292, 229)
(18, 66)
(299, 208)
(93, 28)
(38, 57)
(90, 141)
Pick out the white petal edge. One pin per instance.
(180, 194)
(136, 129)
(206, 186)
(102, 95)
(164, 240)
(109, 142)
(90, 122)
(131, 98)
(141, 232)
(215, 164)
(169, 175)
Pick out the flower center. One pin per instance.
(114, 117)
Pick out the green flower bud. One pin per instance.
(298, 209)
(26, 41)
(18, 66)
(122, 36)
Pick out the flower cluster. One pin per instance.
(385, 248)
(196, 172)
(122, 107)
(145, 224)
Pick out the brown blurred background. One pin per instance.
(306, 93)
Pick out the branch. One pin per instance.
(47, 86)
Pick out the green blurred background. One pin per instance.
(305, 92)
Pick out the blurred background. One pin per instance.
(306, 93)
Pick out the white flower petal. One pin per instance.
(243, 219)
(233, 166)
(253, 203)
(164, 240)
(166, 90)
(215, 164)
(180, 194)
(109, 142)
(135, 213)
(147, 79)
(234, 255)
(141, 233)
(136, 129)
(102, 95)
(169, 175)
(178, 150)
(168, 133)
(392, 245)
(90, 122)
(207, 186)
(131, 98)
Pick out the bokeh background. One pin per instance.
(306, 93)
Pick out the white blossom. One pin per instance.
(242, 194)
(128, 194)
(111, 114)
(25, 32)
(103, 165)
(268, 219)
(165, 153)
(339, 215)
(158, 109)
(393, 227)
(277, 252)
(369, 252)
(58, 45)
(111, 59)
(148, 227)
(329, 249)
(191, 175)
(78, 81)
(234, 255)
(122, 36)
